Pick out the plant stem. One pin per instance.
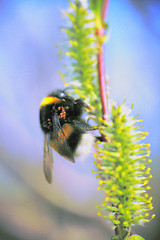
(105, 8)
(101, 67)
(102, 80)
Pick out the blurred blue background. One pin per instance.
(29, 32)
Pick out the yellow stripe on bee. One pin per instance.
(48, 100)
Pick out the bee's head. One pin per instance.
(58, 93)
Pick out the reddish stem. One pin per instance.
(101, 67)
(105, 8)
(102, 80)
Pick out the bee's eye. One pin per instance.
(61, 94)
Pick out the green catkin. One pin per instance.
(81, 55)
(124, 171)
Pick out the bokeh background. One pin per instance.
(31, 209)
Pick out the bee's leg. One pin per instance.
(100, 138)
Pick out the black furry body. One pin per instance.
(63, 127)
(69, 111)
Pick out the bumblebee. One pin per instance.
(63, 127)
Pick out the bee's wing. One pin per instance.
(47, 160)
(59, 136)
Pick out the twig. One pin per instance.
(101, 67)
